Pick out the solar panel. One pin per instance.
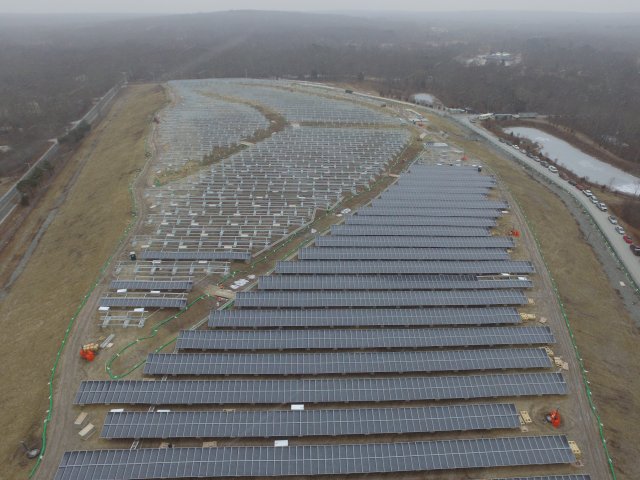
(400, 253)
(436, 201)
(367, 299)
(194, 255)
(144, 302)
(388, 282)
(331, 390)
(411, 182)
(362, 338)
(337, 363)
(306, 423)
(449, 188)
(419, 221)
(410, 230)
(152, 284)
(354, 317)
(194, 462)
(431, 212)
(337, 267)
(427, 198)
(369, 241)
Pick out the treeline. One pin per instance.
(584, 73)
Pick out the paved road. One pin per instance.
(630, 261)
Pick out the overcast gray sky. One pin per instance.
(190, 6)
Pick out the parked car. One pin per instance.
(602, 206)
(516, 147)
(612, 219)
(553, 169)
(594, 199)
(635, 249)
(620, 230)
(536, 159)
(587, 193)
(573, 183)
(544, 164)
(628, 239)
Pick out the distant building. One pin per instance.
(528, 115)
(504, 59)
(499, 58)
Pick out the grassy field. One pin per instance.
(68, 258)
(606, 335)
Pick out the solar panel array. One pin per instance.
(336, 363)
(388, 282)
(274, 178)
(409, 301)
(370, 241)
(410, 230)
(358, 317)
(419, 221)
(305, 423)
(330, 390)
(431, 212)
(237, 462)
(362, 338)
(435, 267)
(356, 298)
(185, 285)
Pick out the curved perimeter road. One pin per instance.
(622, 250)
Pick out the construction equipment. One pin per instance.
(89, 351)
(553, 417)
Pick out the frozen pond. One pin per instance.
(579, 162)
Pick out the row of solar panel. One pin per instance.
(334, 390)
(450, 188)
(305, 423)
(152, 284)
(197, 255)
(384, 241)
(427, 267)
(439, 200)
(144, 302)
(237, 462)
(431, 212)
(339, 363)
(362, 338)
(410, 230)
(348, 299)
(383, 220)
(388, 282)
(345, 253)
(359, 317)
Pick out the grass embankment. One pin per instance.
(605, 333)
(80, 238)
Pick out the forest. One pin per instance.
(582, 70)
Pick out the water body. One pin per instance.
(579, 162)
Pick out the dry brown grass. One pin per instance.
(37, 310)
